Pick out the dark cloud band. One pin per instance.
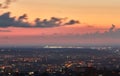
(21, 21)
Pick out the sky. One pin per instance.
(59, 22)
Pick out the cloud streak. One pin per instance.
(112, 33)
(6, 4)
(5, 31)
(72, 22)
(112, 28)
(21, 21)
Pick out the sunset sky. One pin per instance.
(59, 22)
